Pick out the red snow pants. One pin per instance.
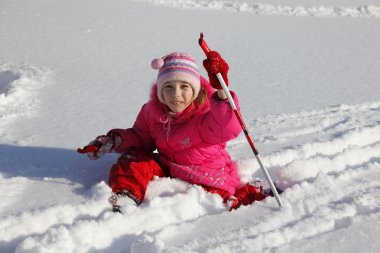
(135, 168)
(133, 171)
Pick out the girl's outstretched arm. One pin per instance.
(220, 123)
(138, 135)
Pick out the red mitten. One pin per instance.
(101, 145)
(215, 64)
(246, 196)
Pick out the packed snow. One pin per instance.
(307, 76)
(273, 7)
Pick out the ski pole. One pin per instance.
(206, 49)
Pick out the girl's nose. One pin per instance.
(177, 92)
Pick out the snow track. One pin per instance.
(19, 85)
(258, 8)
(264, 228)
(330, 179)
(71, 223)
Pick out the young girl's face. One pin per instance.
(177, 95)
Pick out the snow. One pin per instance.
(307, 76)
(272, 7)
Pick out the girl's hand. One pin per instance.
(102, 144)
(215, 64)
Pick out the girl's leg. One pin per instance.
(132, 173)
(224, 194)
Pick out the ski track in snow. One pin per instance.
(268, 228)
(271, 9)
(330, 179)
(19, 85)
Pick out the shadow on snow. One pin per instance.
(45, 162)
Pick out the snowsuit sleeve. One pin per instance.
(137, 136)
(220, 123)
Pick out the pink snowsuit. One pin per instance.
(191, 144)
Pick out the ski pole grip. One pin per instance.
(203, 44)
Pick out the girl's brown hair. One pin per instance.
(202, 96)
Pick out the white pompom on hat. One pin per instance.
(177, 66)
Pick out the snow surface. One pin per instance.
(307, 75)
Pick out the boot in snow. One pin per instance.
(119, 199)
(264, 187)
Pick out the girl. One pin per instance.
(188, 123)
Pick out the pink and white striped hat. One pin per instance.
(177, 66)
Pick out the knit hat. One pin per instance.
(177, 66)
